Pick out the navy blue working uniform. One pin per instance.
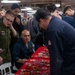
(20, 51)
(73, 16)
(69, 20)
(60, 40)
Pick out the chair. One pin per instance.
(5, 69)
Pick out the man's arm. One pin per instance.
(13, 31)
(21, 60)
(16, 54)
(55, 46)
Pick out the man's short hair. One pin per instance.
(14, 6)
(67, 7)
(8, 12)
(51, 7)
(42, 13)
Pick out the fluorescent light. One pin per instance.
(31, 12)
(10, 1)
(57, 5)
(26, 9)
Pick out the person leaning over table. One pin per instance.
(59, 38)
(22, 50)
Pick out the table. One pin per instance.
(38, 64)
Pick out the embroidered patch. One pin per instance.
(2, 32)
(49, 42)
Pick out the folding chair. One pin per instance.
(5, 69)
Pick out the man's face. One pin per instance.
(25, 36)
(16, 11)
(3, 13)
(68, 12)
(8, 20)
(43, 23)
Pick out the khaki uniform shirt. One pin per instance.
(4, 40)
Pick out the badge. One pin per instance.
(2, 32)
(49, 42)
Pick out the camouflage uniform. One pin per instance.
(4, 41)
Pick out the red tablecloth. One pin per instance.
(38, 64)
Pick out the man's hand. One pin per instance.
(13, 30)
(1, 50)
(24, 60)
(1, 60)
(18, 21)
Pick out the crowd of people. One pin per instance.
(14, 33)
(59, 37)
(57, 32)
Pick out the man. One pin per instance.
(69, 11)
(60, 40)
(23, 49)
(5, 28)
(33, 28)
(36, 36)
(2, 13)
(54, 11)
(15, 9)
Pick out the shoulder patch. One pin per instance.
(49, 42)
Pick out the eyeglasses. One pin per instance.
(9, 20)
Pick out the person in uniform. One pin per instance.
(22, 50)
(55, 12)
(59, 38)
(69, 11)
(5, 28)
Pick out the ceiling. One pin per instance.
(42, 2)
(68, 2)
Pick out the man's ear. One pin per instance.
(41, 20)
(57, 11)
